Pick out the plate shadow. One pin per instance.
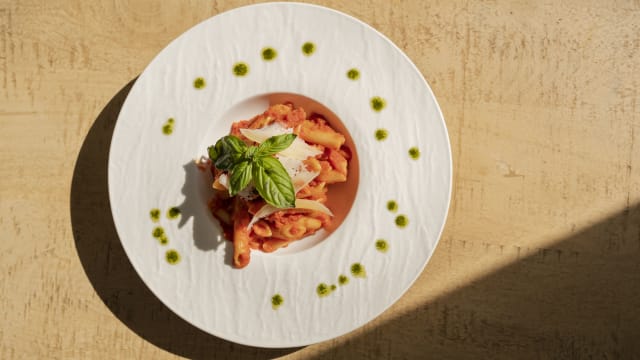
(108, 268)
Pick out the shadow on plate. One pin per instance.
(207, 232)
(108, 268)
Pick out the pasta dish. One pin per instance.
(272, 175)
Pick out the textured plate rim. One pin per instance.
(449, 174)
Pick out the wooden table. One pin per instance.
(541, 253)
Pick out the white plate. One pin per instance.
(148, 169)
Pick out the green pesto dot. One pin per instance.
(157, 232)
(382, 245)
(170, 121)
(167, 129)
(308, 48)
(402, 221)
(414, 153)
(173, 212)
(323, 290)
(269, 53)
(378, 103)
(199, 83)
(276, 301)
(155, 215)
(392, 206)
(333, 287)
(381, 134)
(357, 270)
(240, 69)
(353, 74)
(172, 256)
(343, 280)
(164, 240)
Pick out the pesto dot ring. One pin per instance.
(397, 127)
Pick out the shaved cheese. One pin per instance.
(297, 171)
(302, 179)
(267, 210)
(312, 205)
(221, 182)
(264, 211)
(297, 150)
(262, 134)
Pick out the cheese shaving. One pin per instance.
(297, 150)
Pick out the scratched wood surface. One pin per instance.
(540, 257)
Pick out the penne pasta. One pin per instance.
(274, 244)
(253, 226)
(318, 132)
(241, 239)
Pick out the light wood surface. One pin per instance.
(540, 257)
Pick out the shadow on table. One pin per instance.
(578, 299)
(108, 267)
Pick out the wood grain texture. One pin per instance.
(540, 257)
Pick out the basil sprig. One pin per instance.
(245, 163)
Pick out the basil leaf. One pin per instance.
(213, 153)
(226, 161)
(233, 144)
(275, 144)
(256, 163)
(227, 152)
(240, 177)
(273, 183)
(250, 153)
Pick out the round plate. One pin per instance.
(219, 72)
